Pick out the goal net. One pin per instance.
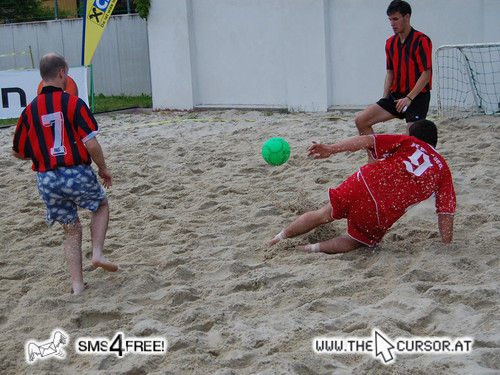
(468, 78)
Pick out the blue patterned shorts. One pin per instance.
(65, 188)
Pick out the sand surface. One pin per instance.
(193, 207)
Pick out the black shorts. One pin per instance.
(417, 110)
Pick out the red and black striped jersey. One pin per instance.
(52, 130)
(408, 60)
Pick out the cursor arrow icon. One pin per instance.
(383, 348)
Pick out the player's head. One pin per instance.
(399, 13)
(424, 130)
(399, 6)
(54, 67)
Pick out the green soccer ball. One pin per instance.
(276, 151)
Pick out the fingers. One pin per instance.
(319, 154)
(107, 179)
(310, 152)
(317, 150)
(402, 104)
(313, 147)
(107, 182)
(315, 154)
(399, 105)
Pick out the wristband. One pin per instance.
(315, 248)
(280, 236)
(409, 98)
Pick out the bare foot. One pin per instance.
(77, 289)
(274, 241)
(280, 236)
(104, 263)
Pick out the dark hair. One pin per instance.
(51, 64)
(424, 130)
(399, 6)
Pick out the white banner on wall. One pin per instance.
(18, 88)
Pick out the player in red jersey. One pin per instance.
(56, 131)
(408, 78)
(374, 198)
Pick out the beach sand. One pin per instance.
(193, 207)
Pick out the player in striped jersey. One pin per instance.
(408, 78)
(56, 131)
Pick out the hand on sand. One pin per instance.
(104, 263)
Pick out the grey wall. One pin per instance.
(120, 63)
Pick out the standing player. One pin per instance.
(374, 198)
(408, 79)
(57, 132)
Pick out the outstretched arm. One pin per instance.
(95, 151)
(321, 150)
(445, 224)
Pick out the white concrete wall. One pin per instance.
(120, 63)
(232, 53)
(169, 39)
(299, 54)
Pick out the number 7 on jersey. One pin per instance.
(56, 120)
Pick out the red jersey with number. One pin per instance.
(410, 172)
(52, 130)
(408, 60)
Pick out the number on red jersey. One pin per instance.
(419, 163)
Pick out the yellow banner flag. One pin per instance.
(97, 13)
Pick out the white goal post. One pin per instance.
(468, 79)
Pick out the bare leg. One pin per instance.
(341, 244)
(408, 127)
(369, 117)
(73, 250)
(305, 223)
(98, 228)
